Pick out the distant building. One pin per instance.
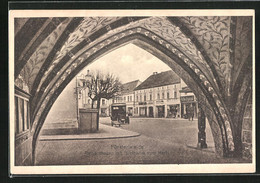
(161, 95)
(158, 96)
(188, 99)
(127, 96)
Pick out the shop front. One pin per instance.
(143, 111)
(161, 111)
(173, 111)
(151, 112)
(188, 106)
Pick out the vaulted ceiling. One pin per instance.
(50, 51)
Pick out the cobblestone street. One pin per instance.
(161, 141)
(170, 130)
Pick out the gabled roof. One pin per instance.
(130, 86)
(160, 79)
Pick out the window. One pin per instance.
(22, 120)
(124, 99)
(25, 116)
(168, 95)
(158, 95)
(128, 98)
(137, 98)
(21, 115)
(103, 101)
(144, 97)
(151, 97)
(162, 95)
(141, 98)
(175, 94)
(16, 116)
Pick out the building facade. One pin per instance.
(127, 96)
(158, 96)
(161, 95)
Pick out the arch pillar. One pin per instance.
(201, 127)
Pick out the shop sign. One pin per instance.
(142, 103)
(187, 98)
(159, 102)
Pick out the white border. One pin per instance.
(123, 169)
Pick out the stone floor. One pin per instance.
(161, 141)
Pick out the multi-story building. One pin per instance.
(158, 96)
(127, 96)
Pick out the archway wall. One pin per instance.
(213, 33)
(189, 36)
(247, 130)
(189, 67)
(178, 39)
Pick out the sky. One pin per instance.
(129, 63)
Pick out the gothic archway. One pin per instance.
(177, 57)
(75, 44)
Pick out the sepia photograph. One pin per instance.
(131, 91)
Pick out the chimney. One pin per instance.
(154, 73)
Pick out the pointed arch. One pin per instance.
(156, 42)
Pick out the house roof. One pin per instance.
(130, 86)
(159, 79)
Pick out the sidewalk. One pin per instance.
(105, 132)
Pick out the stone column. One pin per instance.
(201, 127)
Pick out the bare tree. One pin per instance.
(105, 86)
